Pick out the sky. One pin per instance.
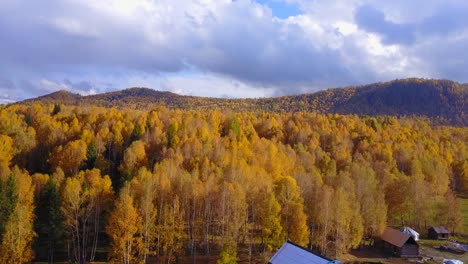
(226, 48)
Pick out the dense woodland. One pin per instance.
(79, 181)
(441, 101)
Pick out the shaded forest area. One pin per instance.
(443, 102)
(86, 183)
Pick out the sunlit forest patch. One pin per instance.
(91, 183)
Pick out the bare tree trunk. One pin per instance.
(96, 232)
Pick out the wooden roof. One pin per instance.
(395, 237)
(440, 229)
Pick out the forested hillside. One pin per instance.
(442, 101)
(85, 183)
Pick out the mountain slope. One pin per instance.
(62, 97)
(444, 101)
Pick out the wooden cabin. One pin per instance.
(399, 243)
(438, 232)
(291, 253)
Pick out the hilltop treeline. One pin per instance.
(441, 101)
(77, 181)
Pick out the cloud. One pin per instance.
(434, 39)
(88, 46)
(446, 56)
(73, 27)
(5, 87)
(443, 21)
(212, 86)
(374, 20)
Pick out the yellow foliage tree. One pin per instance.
(346, 221)
(293, 218)
(19, 233)
(134, 159)
(84, 197)
(69, 158)
(144, 188)
(6, 151)
(122, 227)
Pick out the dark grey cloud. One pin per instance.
(5, 87)
(447, 57)
(374, 20)
(437, 40)
(89, 46)
(446, 19)
(53, 35)
(83, 86)
(6, 84)
(270, 57)
(52, 39)
(29, 87)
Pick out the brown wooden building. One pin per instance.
(438, 232)
(399, 243)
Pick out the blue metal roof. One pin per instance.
(291, 253)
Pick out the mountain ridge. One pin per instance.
(444, 101)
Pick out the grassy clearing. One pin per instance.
(428, 252)
(428, 248)
(464, 211)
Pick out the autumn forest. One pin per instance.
(86, 183)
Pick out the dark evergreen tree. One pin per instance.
(8, 199)
(92, 156)
(48, 225)
(57, 109)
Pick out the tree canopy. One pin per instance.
(167, 183)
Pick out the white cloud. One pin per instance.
(74, 27)
(213, 86)
(51, 86)
(346, 28)
(5, 101)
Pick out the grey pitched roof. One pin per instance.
(291, 253)
(440, 229)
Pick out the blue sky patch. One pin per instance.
(281, 9)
